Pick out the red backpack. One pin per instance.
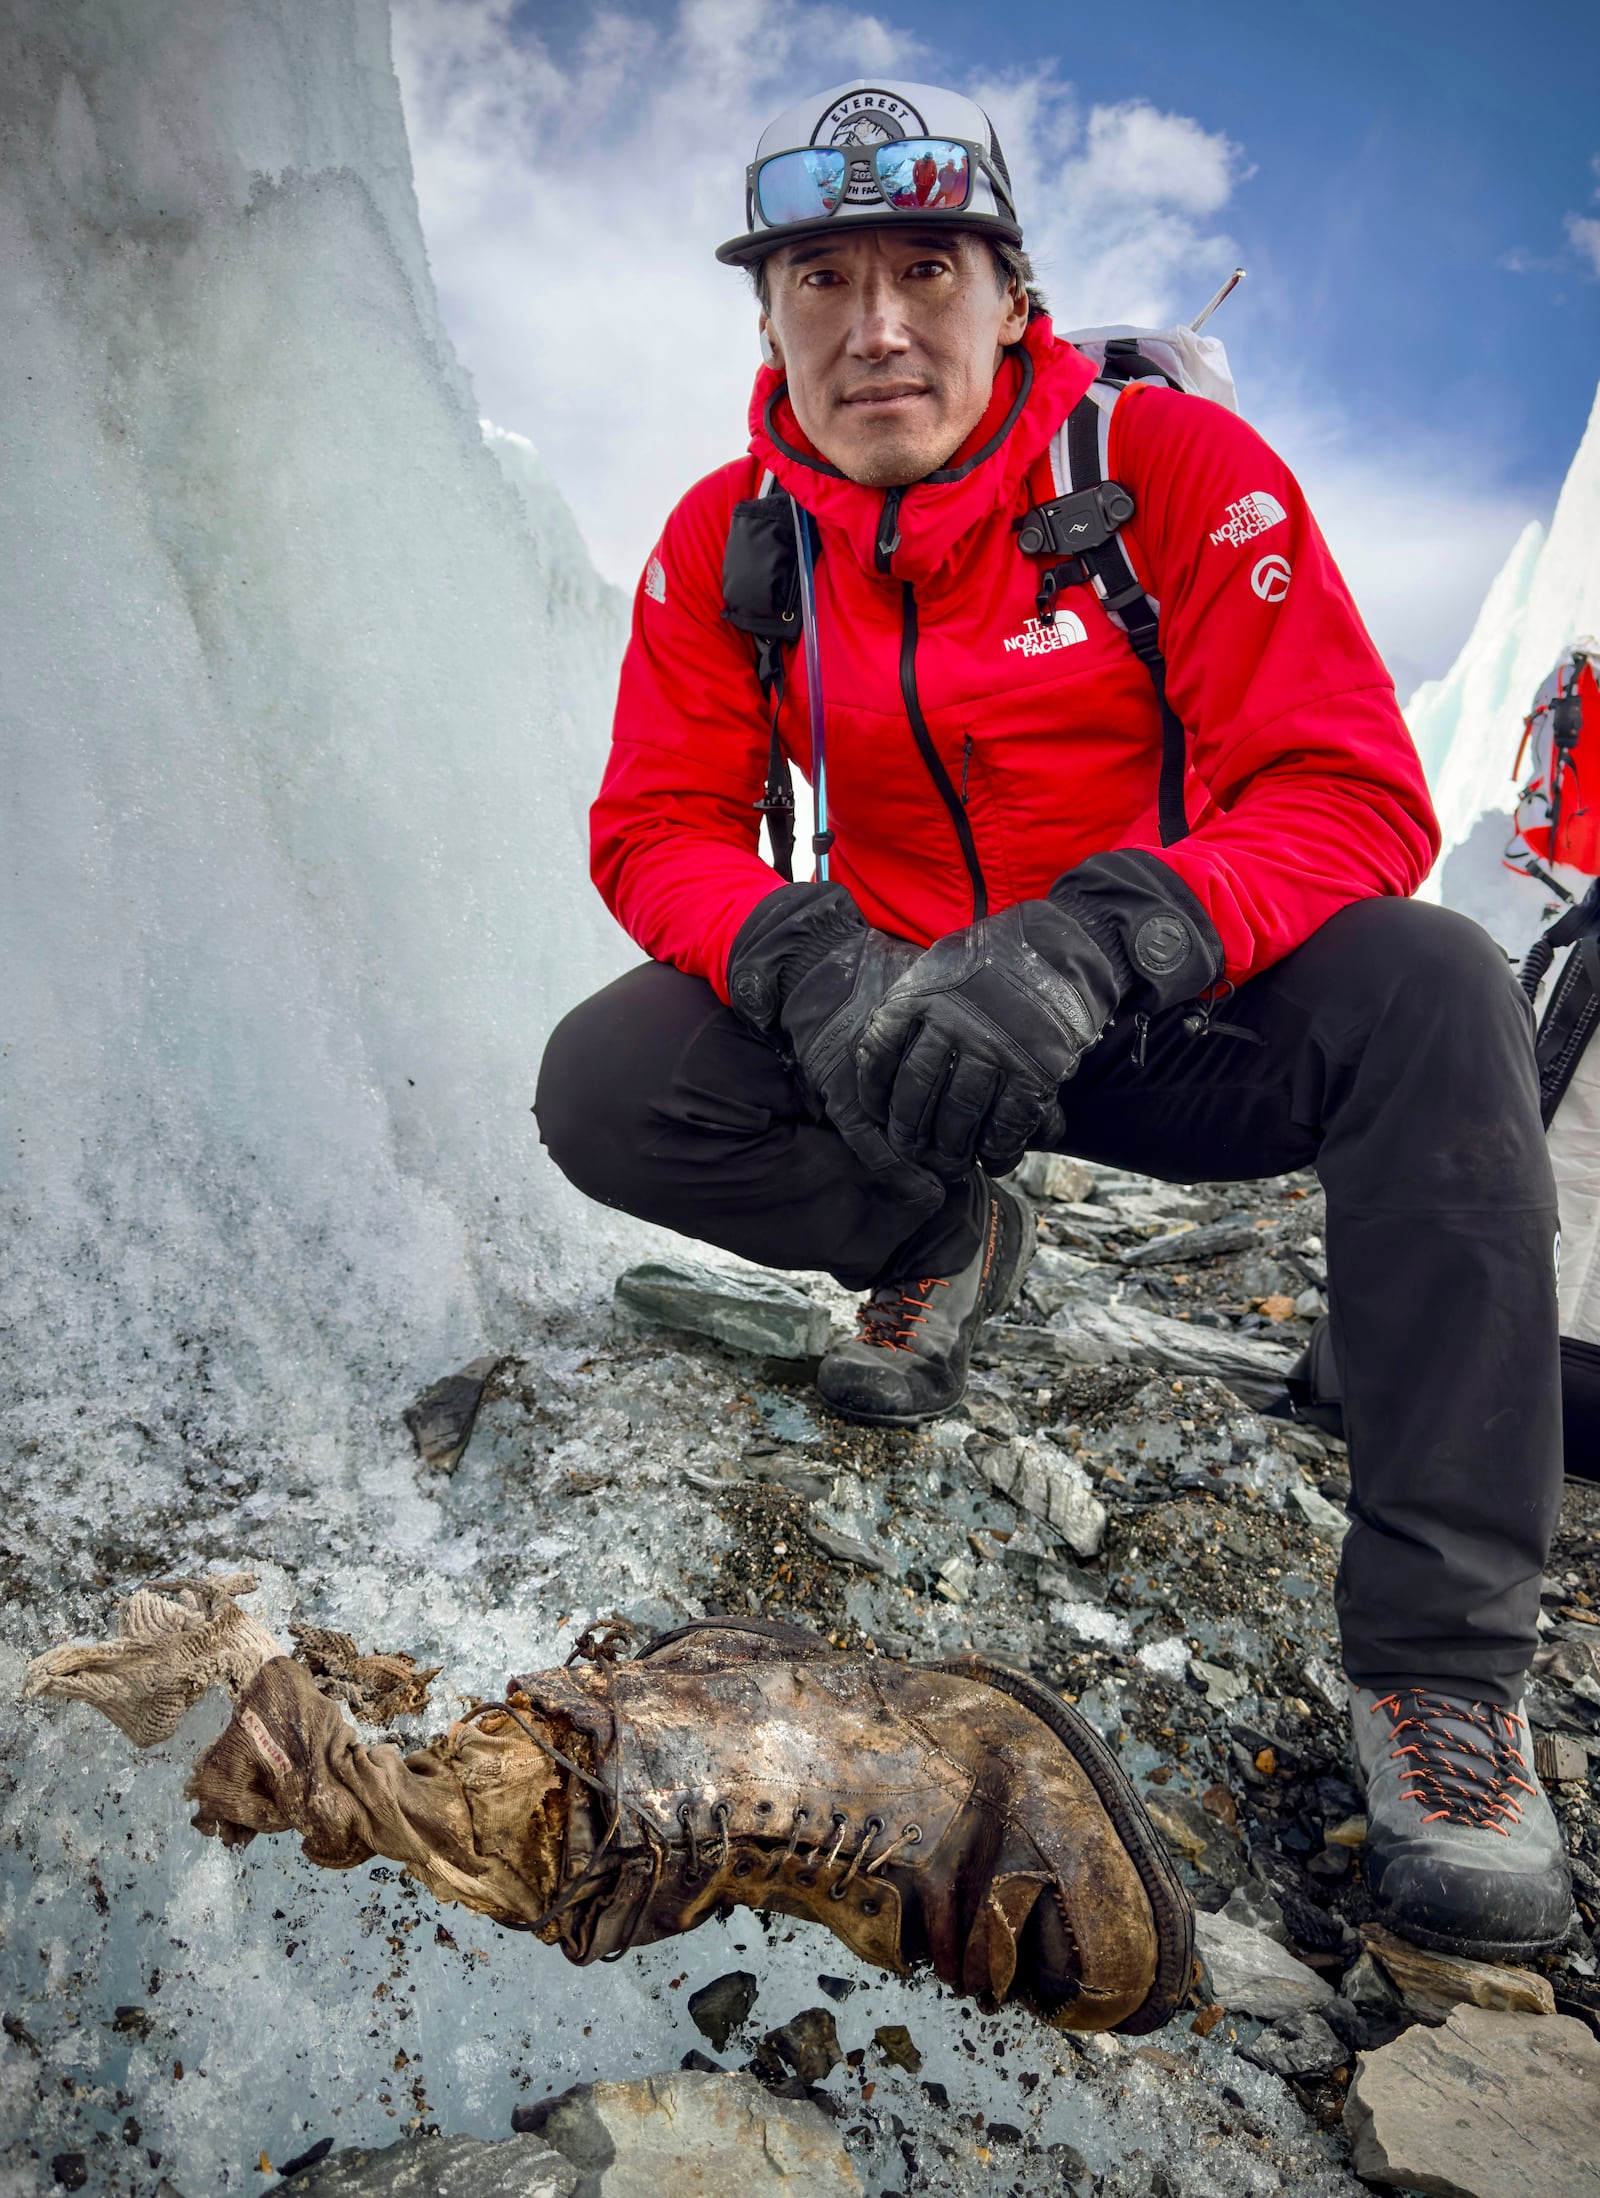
(1558, 810)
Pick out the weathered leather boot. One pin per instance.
(954, 1814)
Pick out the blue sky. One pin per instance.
(1413, 188)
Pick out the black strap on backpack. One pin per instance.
(1081, 528)
(761, 597)
(1570, 1020)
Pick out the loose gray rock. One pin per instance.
(808, 2043)
(441, 2167)
(1055, 1176)
(1325, 1519)
(1369, 1991)
(1431, 1984)
(1253, 1908)
(1197, 1245)
(1214, 1848)
(754, 1312)
(442, 1419)
(1059, 1278)
(1489, 2106)
(1086, 1334)
(1053, 1486)
(844, 1549)
(1222, 1687)
(988, 1408)
(720, 2008)
(1300, 2045)
(689, 2134)
(1329, 1685)
(1252, 1975)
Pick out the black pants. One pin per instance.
(1395, 1058)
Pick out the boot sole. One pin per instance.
(1469, 1949)
(770, 1629)
(1170, 1906)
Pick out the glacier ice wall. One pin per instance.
(304, 697)
(1467, 724)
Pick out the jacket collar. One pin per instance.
(1039, 382)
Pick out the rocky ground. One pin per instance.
(1123, 1508)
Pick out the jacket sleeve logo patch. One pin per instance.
(655, 580)
(1037, 639)
(1250, 516)
(1271, 579)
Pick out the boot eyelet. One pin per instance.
(763, 1808)
(838, 1892)
(805, 1877)
(743, 1866)
(870, 1907)
(874, 1825)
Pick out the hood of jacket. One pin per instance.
(1039, 381)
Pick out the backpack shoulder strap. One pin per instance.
(1569, 1022)
(761, 597)
(1085, 518)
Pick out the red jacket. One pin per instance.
(1304, 791)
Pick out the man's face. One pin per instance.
(890, 338)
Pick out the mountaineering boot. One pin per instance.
(908, 1359)
(1463, 1851)
(953, 1814)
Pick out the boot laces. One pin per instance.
(890, 1317)
(1462, 1763)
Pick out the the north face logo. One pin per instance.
(655, 580)
(1038, 639)
(1250, 516)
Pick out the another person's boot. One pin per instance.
(952, 1814)
(1463, 1851)
(909, 1358)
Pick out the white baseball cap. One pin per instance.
(869, 154)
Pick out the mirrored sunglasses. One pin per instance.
(912, 175)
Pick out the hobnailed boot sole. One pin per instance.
(1170, 1906)
(1013, 1290)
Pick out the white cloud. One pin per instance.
(571, 212)
(571, 206)
(1419, 531)
(1583, 234)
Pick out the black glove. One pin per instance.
(965, 1056)
(806, 970)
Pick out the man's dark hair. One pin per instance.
(1013, 269)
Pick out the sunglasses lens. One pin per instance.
(799, 186)
(924, 175)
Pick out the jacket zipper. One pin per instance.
(888, 531)
(930, 754)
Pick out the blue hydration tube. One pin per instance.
(822, 838)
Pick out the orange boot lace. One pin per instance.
(1463, 1764)
(890, 1318)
